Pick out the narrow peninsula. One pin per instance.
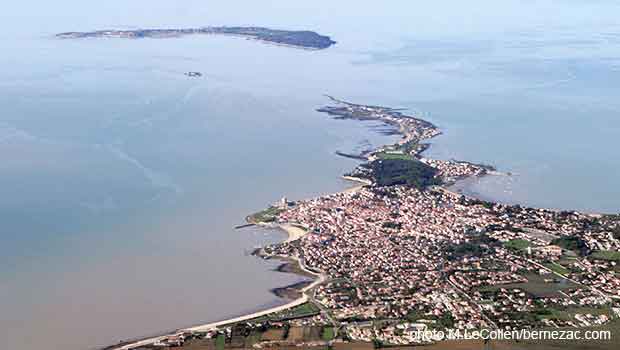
(402, 261)
(304, 39)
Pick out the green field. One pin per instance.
(517, 244)
(267, 215)
(610, 255)
(328, 333)
(570, 312)
(388, 155)
(555, 267)
(536, 285)
(303, 310)
(220, 342)
(307, 308)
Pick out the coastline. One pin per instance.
(406, 151)
(299, 39)
(319, 278)
(412, 129)
(293, 233)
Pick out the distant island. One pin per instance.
(296, 38)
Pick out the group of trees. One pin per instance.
(410, 172)
(573, 243)
(616, 232)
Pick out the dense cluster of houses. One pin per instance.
(452, 170)
(390, 254)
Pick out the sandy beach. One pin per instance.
(294, 232)
(359, 181)
(210, 326)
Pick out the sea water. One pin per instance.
(123, 178)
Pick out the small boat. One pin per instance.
(194, 74)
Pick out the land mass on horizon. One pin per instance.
(295, 38)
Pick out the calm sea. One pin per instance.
(122, 178)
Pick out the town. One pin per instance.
(403, 254)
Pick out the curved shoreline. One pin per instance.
(414, 131)
(295, 232)
(320, 278)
